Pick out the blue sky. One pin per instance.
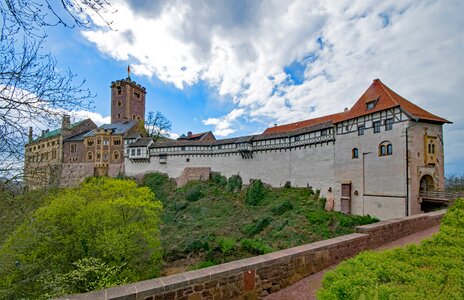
(237, 67)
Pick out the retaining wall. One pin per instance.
(255, 277)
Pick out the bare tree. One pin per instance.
(32, 90)
(157, 125)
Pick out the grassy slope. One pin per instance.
(213, 228)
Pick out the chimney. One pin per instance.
(275, 124)
(43, 134)
(66, 122)
(30, 134)
(189, 134)
(346, 109)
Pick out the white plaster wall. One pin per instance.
(311, 166)
(380, 181)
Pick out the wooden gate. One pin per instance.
(346, 198)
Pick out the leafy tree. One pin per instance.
(255, 193)
(110, 222)
(33, 91)
(157, 125)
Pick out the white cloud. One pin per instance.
(223, 126)
(242, 48)
(96, 117)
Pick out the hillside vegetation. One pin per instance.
(433, 269)
(206, 223)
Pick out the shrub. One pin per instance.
(431, 270)
(197, 245)
(234, 184)
(282, 208)
(201, 265)
(218, 179)
(257, 227)
(193, 193)
(255, 193)
(111, 220)
(158, 183)
(255, 247)
(226, 245)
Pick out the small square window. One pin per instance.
(361, 130)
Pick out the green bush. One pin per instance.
(193, 193)
(255, 193)
(218, 179)
(226, 245)
(256, 227)
(255, 247)
(282, 208)
(201, 265)
(430, 270)
(234, 184)
(111, 220)
(197, 245)
(158, 183)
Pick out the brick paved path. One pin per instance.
(306, 288)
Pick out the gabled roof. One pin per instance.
(385, 98)
(56, 132)
(197, 136)
(77, 137)
(302, 124)
(116, 128)
(142, 142)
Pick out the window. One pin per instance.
(90, 143)
(119, 103)
(116, 155)
(389, 124)
(138, 151)
(105, 156)
(132, 152)
(119, 116)
(297, 138)
(73, 148)
(187, 159)
(355, 153)
(98, 141)
(385, 148)
(105, 142)
(376, 126)
(133, 117)
(137, 94)
(371, 104)
(119, 90)
(182, 148)
(89, 155)
(431, 148)
(98, 155)
(324, 132)
(361, 130)
(117, 142)
(53, 154)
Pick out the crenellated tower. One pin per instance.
(127, 100)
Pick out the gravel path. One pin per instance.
(306, 288)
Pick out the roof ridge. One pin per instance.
(386, 90)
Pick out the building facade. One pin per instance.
(372, 159)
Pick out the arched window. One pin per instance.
(119, 103)
(385, 148)
(116, 155)
(89, 155)
(355, 153)
(133, 117)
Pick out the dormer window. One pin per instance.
(371, 104)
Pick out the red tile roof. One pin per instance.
(301, 124)
(385, 98)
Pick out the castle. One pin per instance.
(373, 158)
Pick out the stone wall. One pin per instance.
(193, 174)
(255, 277)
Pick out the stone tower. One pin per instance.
(127, 100)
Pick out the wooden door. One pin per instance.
(346, 198)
